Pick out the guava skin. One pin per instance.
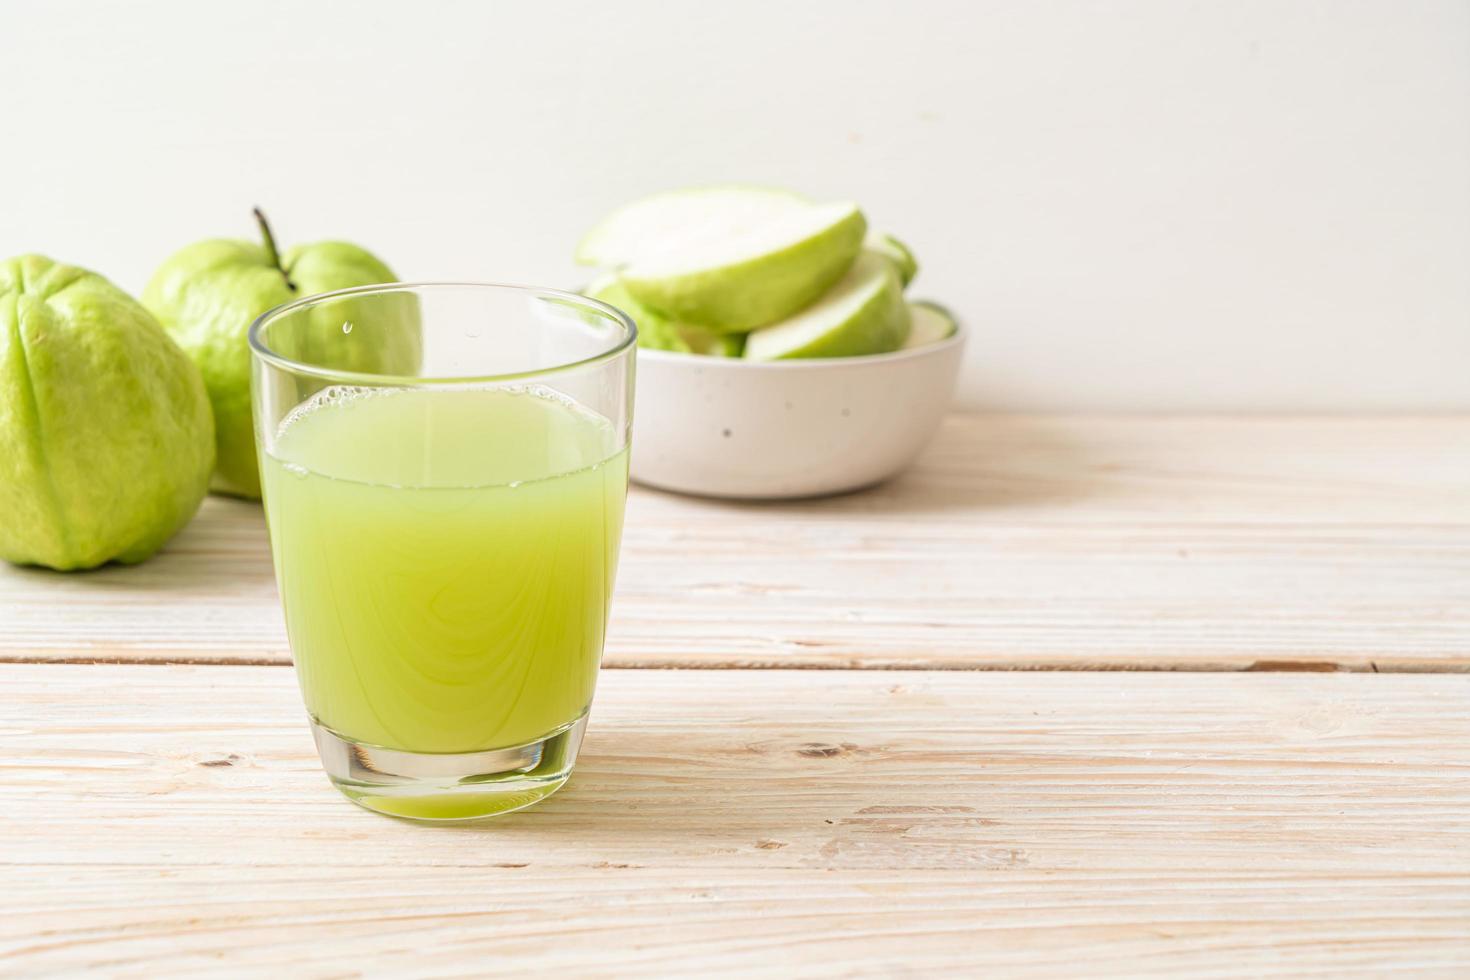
(106, 436)
(207, 295)
(756, 291)
(657, 332)
(878, 325)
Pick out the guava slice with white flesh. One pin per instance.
(929, 323)
(645, 227)
(899, 253)
(658, 332)
(864, 313)
(737, 276)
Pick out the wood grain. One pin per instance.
(1016, 542)
(795, 823)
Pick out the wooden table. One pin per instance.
(1115, 695)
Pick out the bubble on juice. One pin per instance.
(565, 401)
(347, 326)
(334, 395)
(344, 394)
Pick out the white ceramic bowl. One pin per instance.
(725, 427)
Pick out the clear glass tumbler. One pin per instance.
(444, 468)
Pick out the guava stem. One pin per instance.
(271, 252)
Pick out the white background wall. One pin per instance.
(1158, 204)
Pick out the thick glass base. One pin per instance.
(449, 786)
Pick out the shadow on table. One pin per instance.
(987, 463)
(646, 799)
(221, 552)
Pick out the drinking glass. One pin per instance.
(444, 468)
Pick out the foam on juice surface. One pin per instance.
(442, 436)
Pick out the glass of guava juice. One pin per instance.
(444, 468)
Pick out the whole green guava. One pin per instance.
(106, 439)
(207, 295)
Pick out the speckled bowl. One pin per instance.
(725, 427)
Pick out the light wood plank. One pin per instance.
(162, 819)
(1017, 542)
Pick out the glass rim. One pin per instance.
(259, 348)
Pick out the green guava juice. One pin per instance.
(445, 559)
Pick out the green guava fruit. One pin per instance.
(658, 332)
(207, 295)
(727, 258)
(645, 227)
(106, 438)
(863, 314)
(897, 252)
(929, 324)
